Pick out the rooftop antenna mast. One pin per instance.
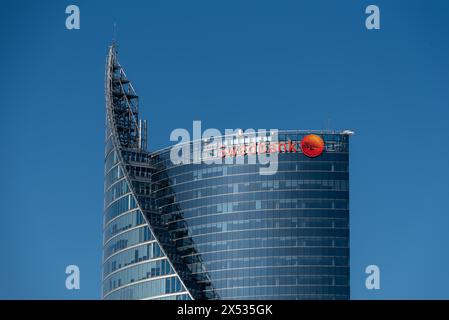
(328, 125)
(114, 33)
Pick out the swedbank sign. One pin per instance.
(311, 145)
(238, 147)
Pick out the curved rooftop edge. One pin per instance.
(344, 132)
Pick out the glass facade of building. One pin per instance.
(253, 236)
(220, 231)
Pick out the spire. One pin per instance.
(114, 34)
(123, 104)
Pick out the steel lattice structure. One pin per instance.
(126, 140)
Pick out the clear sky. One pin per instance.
(250, 64)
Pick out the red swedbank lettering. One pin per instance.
(311, 145)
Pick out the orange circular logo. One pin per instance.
(312, 145)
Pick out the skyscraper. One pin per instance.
(135, 264)
(222, 231)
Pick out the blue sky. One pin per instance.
(251, 64)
